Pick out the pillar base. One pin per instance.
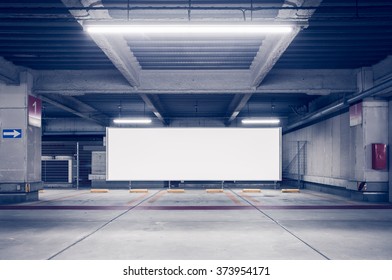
(370, 196)
(367, 196)
(8, 198)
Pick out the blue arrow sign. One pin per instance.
(12, 133)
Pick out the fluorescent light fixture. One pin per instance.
(189, 29)
(132, 121)
(260, 121)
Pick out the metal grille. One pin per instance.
(69, 149)
(55, 171)
(294, 161)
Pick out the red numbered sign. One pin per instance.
(35, 109)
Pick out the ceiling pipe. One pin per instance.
(335, 107)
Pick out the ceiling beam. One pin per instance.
(271, 50)
(115, 47)
(314, 81)
(238, 101)
(155, 105)
(121, 56)
(268, 55)
(76, 107)
(9, 73)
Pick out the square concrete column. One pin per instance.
(374, 129)
(20, 143)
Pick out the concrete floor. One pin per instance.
(70, 224)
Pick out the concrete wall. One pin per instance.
(339, 155)
(328, 158)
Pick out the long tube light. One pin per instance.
(260, 121)
(189, 29)
(133, 121)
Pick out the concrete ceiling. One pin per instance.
(222, 78)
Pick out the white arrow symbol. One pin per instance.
(14, 133)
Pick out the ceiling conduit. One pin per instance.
(335, 107)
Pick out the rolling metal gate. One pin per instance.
(56, 171)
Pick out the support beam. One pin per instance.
(313, 82)
(154, 105)
(203, 81)
(239, 101)
(120, 55)
(79, 82)
(382, 70)
(72, 126)
(274, 46)
(271, 50)
(9, 73)
(269, 54)
(115, 48)
(76, 107)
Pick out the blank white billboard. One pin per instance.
(194, 154)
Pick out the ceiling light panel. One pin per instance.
(190, 29)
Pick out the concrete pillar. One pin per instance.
(20, 144)
(365, 79)
(374, 129)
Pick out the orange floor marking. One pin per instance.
(234, 198)
(250, 198)
(158, 196)
(136, 199)
(59, 198)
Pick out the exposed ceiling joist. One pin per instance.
(115, 48)
(8, 72)
(315, 81)
(267, 57)
(238, 101)
(272, 49)
(120, 55)
(76, 107)
(153, 102)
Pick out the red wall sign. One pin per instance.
(35, 110)
(379, 156)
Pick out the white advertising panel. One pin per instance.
(194, 154)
